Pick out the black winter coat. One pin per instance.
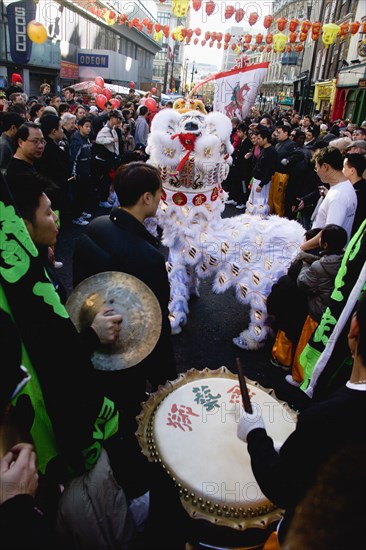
(121, 243)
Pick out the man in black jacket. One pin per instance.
(120, 242)
(322, 429)
(54, 163)
(288, 156)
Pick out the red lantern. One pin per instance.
(344, 28)
(292, 37)
(219, 45)
(261, 48)
(211, 43)
(316, 27)
(107, 93)
(246, 47)
(213, 36)
(254, 47)
(123, 18)
(259, 38)
(281, 23)
(132, 84)
(195, 41)
(207, 35)
(210, 7)
(196, 5)
(197, 31)
(289, 49)
(219, 36)
(226, 45)
(203, 42)
(303, 36)
(151, 104)
(229, 12)
(293, 24)
(364, 27)
(269, 38)
(166, 31)
(268, 49)
(267, 21)
(153, 91)
(188, 39)
(305, 26)
(101, 100)
(354, 27)
(189, 33)
(253, 18)
(233, 47)
(99, 81)
(184, 32)
(299, 47)
(248, 38)
(227, 37)
(130, 24)
(157, 27)
(239, 14)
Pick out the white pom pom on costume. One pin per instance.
(207, 153)
(166, 121)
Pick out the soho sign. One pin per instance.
(20, 29)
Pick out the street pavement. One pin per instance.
(213, 321)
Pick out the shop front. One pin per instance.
(324, 94)
(350, 99)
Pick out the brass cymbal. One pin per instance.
(131, 298)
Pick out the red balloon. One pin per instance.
(132, 84)
(107, 93)
(153, 91)
(99, 81)
(151, 104)
(101, 100)
(95, 90)
(115, 103)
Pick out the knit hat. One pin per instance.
(360, 143)
(93, 109)
(323, 127)
(15, 77)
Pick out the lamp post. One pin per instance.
(193, 73)
(185, 75)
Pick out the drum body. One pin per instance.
(189, 428)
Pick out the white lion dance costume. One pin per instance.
(192, 151)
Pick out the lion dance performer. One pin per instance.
(192, 150)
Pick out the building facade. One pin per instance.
(80, 45)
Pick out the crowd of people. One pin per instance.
(63, 158)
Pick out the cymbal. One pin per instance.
(131, 298)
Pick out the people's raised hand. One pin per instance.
(18, 472)
(107, 325)
(249, 422)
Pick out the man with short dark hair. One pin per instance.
(10, 123)
(339, 205)
(69, 94)
(120, 242)
(354, 165)
(81, 172)
(142, 127)
(30, 146)
(288, 156)
(107, 155)
(54, 163)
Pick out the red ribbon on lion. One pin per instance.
(187, 141)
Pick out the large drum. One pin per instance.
(189, 427)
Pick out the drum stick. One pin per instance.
(243, 388)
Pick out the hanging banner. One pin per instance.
(19, 14)
(236, 90)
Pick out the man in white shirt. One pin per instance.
(339, 205)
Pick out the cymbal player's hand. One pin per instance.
(18, 472)
(107, 325)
